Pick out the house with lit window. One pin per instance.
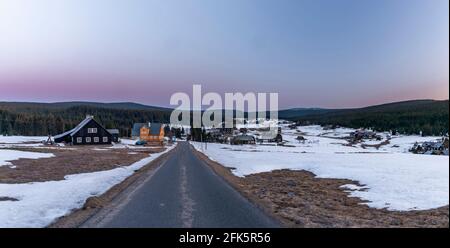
(88, 132)
(150, 132)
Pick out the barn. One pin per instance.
(88, 132)
(115, 134)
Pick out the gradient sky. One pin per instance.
(314, 53)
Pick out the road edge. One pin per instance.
(94, 205)
(234, 182)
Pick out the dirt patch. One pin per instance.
(299, 199)
(69, 161)
(376, 146)
(7, 199)
(94, 204)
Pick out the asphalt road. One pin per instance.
(183, 192)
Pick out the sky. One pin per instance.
(313, 53)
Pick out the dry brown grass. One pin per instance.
(299, 199)
(81, 159)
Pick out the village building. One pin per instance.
(149, 132)
(243, 139)
(439, 147)
(136, 130)
(88, 132)
(364, 134)
(270, 136)
(115, 134)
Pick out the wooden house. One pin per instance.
(154, 132)
(149, 132)
(88, 132)
(136, 130)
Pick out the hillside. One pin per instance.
(25, 106)
(410, 117)
(54, 118)
(300, 112)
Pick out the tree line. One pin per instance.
(42, 122)
(426, 118)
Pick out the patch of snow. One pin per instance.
(21, 139)
(41, 203)
(128, 141)
(353, 187)
(19, 145)
(10, 155)
(395, 178)
(372, 142)
(100, 149)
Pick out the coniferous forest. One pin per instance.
(411, 117)
(42, 120)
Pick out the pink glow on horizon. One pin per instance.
(76, 86)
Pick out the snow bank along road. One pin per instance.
(39, 204)
(183, 192)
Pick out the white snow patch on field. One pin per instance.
(10, 155)
(21, 139)
(41, 203)
(127, 141)
(392, 177)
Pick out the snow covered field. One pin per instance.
(21, 139)
(40, 203)
(9, 155)
(393, 178)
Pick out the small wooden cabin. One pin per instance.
(152, 133)
(88, 132)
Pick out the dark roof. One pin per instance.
(113, 131)
(244, 137)
(136, 131)
(154, 128)
(76, 129)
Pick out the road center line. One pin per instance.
(187, 203)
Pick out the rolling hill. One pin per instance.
(23, 118)
(410, 117)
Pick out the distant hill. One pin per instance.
(22, 118)
(300, 112)
(410, 117)
(63, 105)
